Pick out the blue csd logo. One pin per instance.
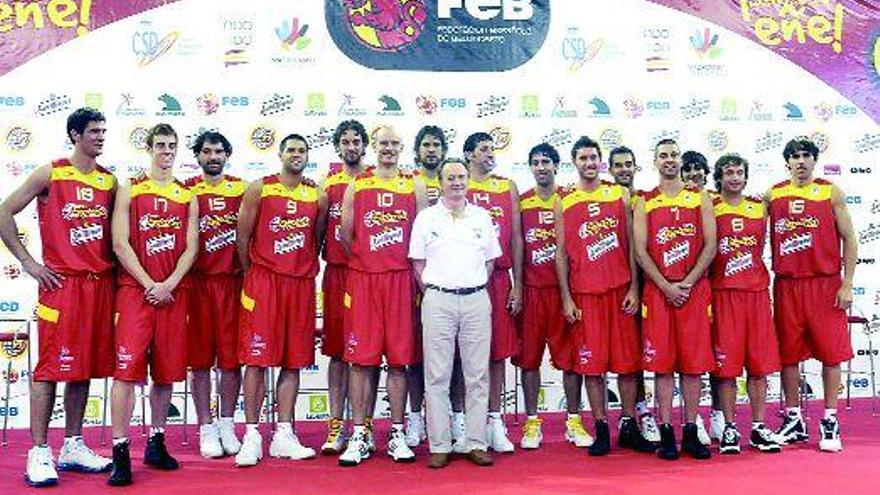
(439, 35)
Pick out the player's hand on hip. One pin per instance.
(46, 277)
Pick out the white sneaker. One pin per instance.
(336, 438)
(576, 434)
(716, 425)
(209, 441)
(459, 436)
(397, 447)
(649, 428)
(415, 430)
(228, 439)
(830, 441)
(285, 445)
(251, 450)
(702, 434)
(357, 450)
(76, 456)
(40, 467)
(496, 437)
(532, 434)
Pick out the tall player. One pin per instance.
(378, 211)
(430, 150)
(74, 312)
(280, 226)
(213, 316)
(155, 238)
(541, 322)
(809, 228)
(599, 283)
(500, 197)
(742, 323)
(674, 232)
(350, 140)
(623, 168)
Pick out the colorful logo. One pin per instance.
(427, 105)
(577, 52)
(386, 25)
(633, 107)
(292, 35)
(147, 46)
(705, 43)
(208, 104)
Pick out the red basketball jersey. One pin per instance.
(74, 219)
(284, 238)
(539, 267)
(218, 219)
(738, 262)
(493, 194)
(596, 238)
(675, 231)
(158, 217)
(334, 187)
(803, 234)
(384, 211)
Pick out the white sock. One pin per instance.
(283, 428)
(574, 416)
(793, 411)
(830, 412)
(72, 439)
(415, 416)
(757, 425)
(156, 429)
(494, 416)
(360, 429)
(226, 421)
(458, 417)
(532, 416)
(642, 408)
(252, 427)
(120, 440)
(397, 427)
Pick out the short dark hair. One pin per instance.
(287, 138)
(350, 125)
(161, 129)
(544, 149)
(695, 159)
(211, 137)
(621, 150)
(724, 161)
(80, 118)
(800, 144)
(430, 130)
(470, 144)
(447, 161)
(585, 142)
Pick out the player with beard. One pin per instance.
(430, 149)
(350, 140)
(216, 278)
(75, 300)
(541, 323)
(623, 168)
(674, 232)
(156, 239)
(742, 321)
(500, 197)
(280, 229)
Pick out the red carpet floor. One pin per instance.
(556, 468)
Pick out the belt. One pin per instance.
(458, 292)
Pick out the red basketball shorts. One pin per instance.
(213, 322)
(677, 339)
(605, 338)
(542, 324)
(504, 342)
(333, 285)
(743, 333)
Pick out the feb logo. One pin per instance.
(438, 35)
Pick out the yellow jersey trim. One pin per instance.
(301, 192)
(606, 193)
(98, 180)
(812, 192)
(225, 188)
(171, 191)
(490, 185)
(401, 185)
(684, 199)
(748, 209)
(535, 202)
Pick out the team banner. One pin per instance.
(838, 41)
(29, 28)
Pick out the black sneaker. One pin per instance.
(729, 443)
(157, 455)
(690, 443)
(830, 441)
(631, 438)
(764, 440)
(793, 430)
(121, 474)
(667, 449)
(602, 444)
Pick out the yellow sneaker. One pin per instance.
(576, 434)
(532, 435)
(336, 439)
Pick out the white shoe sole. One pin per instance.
(248, 463)
(831, 448)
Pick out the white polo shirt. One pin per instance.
(455, 249)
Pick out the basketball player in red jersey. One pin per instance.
(280, 225)
(74, 312)
(541, 323)
(216, 277)
(674, 232)
(623, 168)
(500, 197)
(430, 150)
(809, 228)
(599, 285)
(350, 140)
(155, 238)
(742, 322)
(378, 210)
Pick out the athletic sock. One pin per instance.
(830, 412)
(156, 429)
(120, 440)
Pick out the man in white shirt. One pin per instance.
(453, 248)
